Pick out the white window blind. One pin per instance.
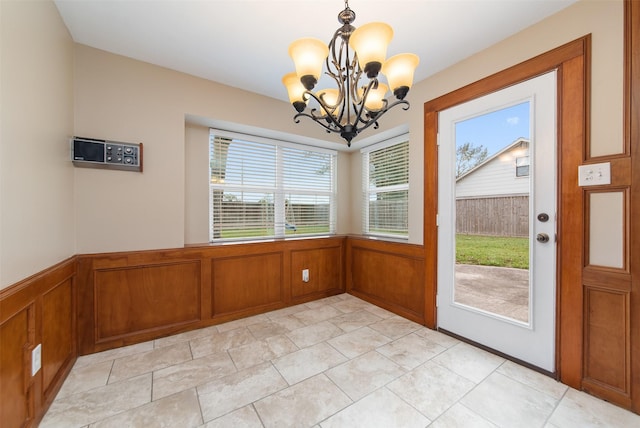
(385, 178)
(262, 188)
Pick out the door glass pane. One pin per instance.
(492, 212)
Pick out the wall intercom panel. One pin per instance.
(106, 154)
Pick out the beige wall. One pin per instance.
(36, 176)
(126, 100)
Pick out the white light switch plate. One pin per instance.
(36, 359)
(594, 174)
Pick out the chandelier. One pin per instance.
(352, 106)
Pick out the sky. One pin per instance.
(495, 130)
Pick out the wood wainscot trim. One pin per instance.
(131, 297)
(388, 274)
(39, 310)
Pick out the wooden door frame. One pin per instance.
(572, 62)
(632, 147)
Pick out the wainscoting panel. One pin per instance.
(606, 342)
(325, 272)
(39, 310)
(137, 299)
(58, 320)
(16, 403)
(388, 274)
(247, 282)
(130, 297)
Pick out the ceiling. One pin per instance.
(243, 43)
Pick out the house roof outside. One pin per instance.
(511, 146)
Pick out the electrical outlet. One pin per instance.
(594, 174)
(36, 359)
(305, 275)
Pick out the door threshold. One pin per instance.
(553, 375)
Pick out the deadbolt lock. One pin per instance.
(543, 217)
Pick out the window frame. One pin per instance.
(279, 191)
(367, 191)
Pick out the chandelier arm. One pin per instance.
(381, 113)
(333, 124)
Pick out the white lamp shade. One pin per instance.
(330, 98)
(308, 54)
(374, 98)
(295, 89)
(399, 70)
(370, 42)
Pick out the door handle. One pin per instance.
(542, 237)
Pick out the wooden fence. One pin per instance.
(493, 216)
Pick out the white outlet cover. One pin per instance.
(595, 174)
(36, 359)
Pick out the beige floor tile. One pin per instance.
(178, 410)
(355, 320)
(308, 362)
(410, 351)
(245, 417)
(380, 409)
(221, 342)
(533, 379)
(351, 305)
(290, 322)
(431, 388)
(242, 322)
(509, 403)
(379, 312)
(358, 342)
(112, 354)
(395, 327)
(189, 374)
(303, 404)
(313, 334)
(86, 407)
(237, 390)
(578, 409)
(365, 374)
(156, 359)
(86, 377)
(317, 314)
(267, 329)
(258, 352)
(286, 311)
(468, 361)
(437, 337)
(458, 416)
(408, 375)
(185, 337)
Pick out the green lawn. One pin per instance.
(492, 251)
(301, 230)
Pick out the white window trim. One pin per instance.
(366, 191)
(279, 193)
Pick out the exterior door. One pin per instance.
(497, 221)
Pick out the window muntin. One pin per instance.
(386, 188)
(262, 188)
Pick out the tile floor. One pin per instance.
(336, 362)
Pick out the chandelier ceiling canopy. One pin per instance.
(356, 102)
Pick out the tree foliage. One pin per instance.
(469, 156)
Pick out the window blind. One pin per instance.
(261, 188)
(385, 178)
